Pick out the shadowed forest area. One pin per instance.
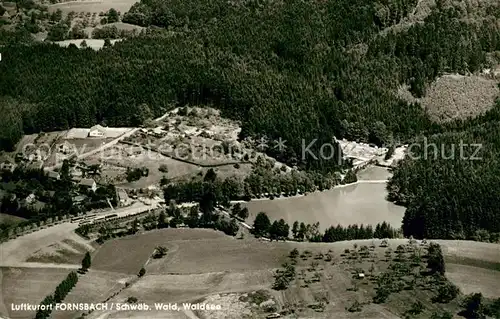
(296, 70)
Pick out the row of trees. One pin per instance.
(280, 230)
(60, 293)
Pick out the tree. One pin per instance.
(235, 211)
(435, 260)
(261, 224)
(107, 43)
(162, 220)
(193, 217)
(295, 229)
(302, 231)
(113, 16)
(473, 305)
(142, 272)
(441, 315)
(446, 293)
(77, 32)
(160, 252)
(83, 44)
(210, 176)
(243, 213)
(86, 262)
(58, 32)
(294, 253)
(135, 226)
(274, 230)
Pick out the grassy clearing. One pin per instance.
(128, 255)
(92, 6)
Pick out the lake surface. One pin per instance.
(351, 204)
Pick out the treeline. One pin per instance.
(280, 230)
(301, 74)
(263, 181)
(450, 183)
(62, 290)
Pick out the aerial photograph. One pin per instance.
(250, 159)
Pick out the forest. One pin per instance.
(296, 70)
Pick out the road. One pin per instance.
(14, 253)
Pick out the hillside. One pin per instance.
(282, 71)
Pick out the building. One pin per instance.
(122, 196)
(7, 166)
(89, 183)
(30, 199)
(66, 148)
(97, 131)
(54, 175)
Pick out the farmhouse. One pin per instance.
(97, 131)
(89, 183)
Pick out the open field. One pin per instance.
(28, 285)
(45, 241)
(455, 96)
(205, 266)
(93, 6)
(95, 44)
(94, 287)
(219, 253)
(352, 204)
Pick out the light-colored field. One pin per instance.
(93, 6)
(27, 285)
(473, 279)
(93, 287)
(127, 255)
(203, 263)
(211, 270)
(454, 96)
(352, 204)
(16, 252)
(83, 133)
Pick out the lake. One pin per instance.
(350, 204)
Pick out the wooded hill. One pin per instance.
(290, 69)
(296, 70)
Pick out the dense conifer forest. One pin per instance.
(293, 69)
